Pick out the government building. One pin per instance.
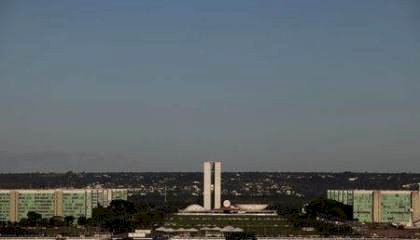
(15, 204)
(216, 217)
(381, 206)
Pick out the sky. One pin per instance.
(165, 85)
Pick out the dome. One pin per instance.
(226, 204)
(194, 208)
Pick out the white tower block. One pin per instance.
(217, 184)
(207, 185)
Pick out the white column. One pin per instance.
(217, 184)
(207, 186)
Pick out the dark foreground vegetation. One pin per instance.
(328, 217)
(121, 216)
(125, 216)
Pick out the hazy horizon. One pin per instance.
(165, 85)
(223, 171)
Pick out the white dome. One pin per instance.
(194, 208)
(226, 203)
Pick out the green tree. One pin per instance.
(34, 218)
(122, 216)
(122, 207)
(82, 221)
(101, 216)
(44, 222)
(117, 217)
(329, 209)
(68, 220)
(56, 221)
(23, 222)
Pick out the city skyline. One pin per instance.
(163, 86)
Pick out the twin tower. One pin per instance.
(212, 185)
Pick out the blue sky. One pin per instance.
(165, 85)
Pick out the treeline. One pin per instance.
(35, 219)
(124, 216)
(327, 217)
(120, 216)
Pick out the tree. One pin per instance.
(44, 222)
(82, 221)
(122, 207)
(33, 218)
(122, 216)
(56, 221)
(329, 209)
(101, 216)
(68, 220)
(23, 222)
(117, 217)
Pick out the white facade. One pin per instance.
(217, 184)
(207, 186)
(212, 185)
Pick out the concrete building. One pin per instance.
(212, 185)
(213, 218)
(15, 204)
(380, 206)
(207, 166)
(217, 185)
(212, 197)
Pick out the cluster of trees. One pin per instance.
(329, 209)
(35, 220)
(35, 225)
(328, 217)
(119, 216)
